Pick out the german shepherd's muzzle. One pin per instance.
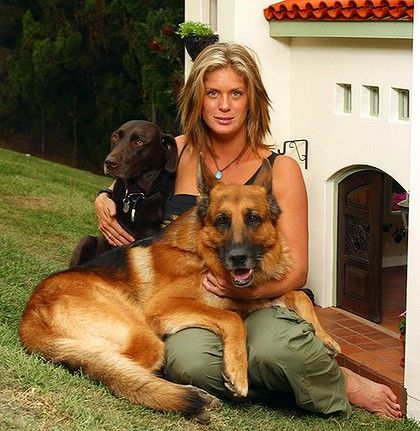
(241, 260)
(108, 317)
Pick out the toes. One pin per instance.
(333, 348)
(215, 404)
(203, 417)
(390, 415)
(238, 390)
(395, 411)
(229, 384)
(393, 398)
(391, 409)
(332, 353)
(210, 403)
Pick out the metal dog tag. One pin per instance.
(126, 205)
(133, 215)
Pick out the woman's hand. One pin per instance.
(106, 213)
(222, 288)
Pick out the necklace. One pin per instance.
(219, 173)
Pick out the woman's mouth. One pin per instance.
(224, 120)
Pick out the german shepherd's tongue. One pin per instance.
(242, 277)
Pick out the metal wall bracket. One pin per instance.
(293, 143)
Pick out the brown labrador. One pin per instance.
(143, 162)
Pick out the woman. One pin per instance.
(224, 111)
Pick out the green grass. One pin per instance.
(44, 209)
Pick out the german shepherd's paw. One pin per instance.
(209, 403)
(236, 381)
(332, 346)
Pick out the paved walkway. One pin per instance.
(367, 349)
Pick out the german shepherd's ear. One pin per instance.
(169, 145)
(205, 182)
(265, 178)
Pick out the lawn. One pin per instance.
(44, 209)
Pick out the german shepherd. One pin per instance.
(108, 317)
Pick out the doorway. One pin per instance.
(372, 247)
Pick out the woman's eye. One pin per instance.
(236, 93)
(212, 93)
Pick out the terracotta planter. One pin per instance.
(195, 44)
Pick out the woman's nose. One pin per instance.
(224, 103)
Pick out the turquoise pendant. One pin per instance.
(218, 175)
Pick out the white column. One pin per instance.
(412, 359)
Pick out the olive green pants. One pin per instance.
(284, 357)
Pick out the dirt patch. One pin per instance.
(28, 202)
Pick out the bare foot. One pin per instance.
(371, 396)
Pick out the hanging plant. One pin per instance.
(196, 36)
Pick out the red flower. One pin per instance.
(167, 30)
(154, 45)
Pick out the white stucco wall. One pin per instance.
(412, 367)
(338, 140)
(301, 76)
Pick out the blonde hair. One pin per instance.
(190, 101)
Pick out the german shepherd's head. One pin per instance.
(239, 239)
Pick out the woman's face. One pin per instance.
(225, 103)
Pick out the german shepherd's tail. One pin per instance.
(126, 378)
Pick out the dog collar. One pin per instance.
(131, 200)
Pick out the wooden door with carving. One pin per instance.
(359, 254)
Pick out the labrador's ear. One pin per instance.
(169, 144)
(205, 182)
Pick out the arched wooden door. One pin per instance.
(359, 259)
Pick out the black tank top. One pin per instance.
(178, 204)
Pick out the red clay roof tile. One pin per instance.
(343, 10)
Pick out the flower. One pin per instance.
(396, 199)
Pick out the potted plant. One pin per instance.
(196, 36)
(401, 328)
